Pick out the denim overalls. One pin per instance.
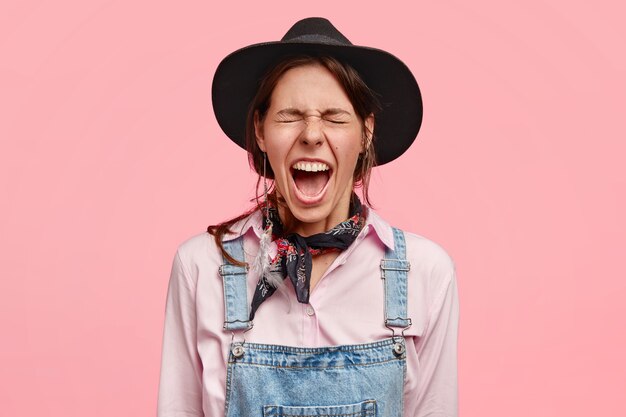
(346, 381)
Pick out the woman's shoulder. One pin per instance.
(428, 253)
(432, 275)
(421, 251)
(202, 247)
(196, 244)
(432, 271)
(432, 268)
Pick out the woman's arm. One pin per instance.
(180, 385)
(437, 353)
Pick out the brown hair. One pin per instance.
(364, 102)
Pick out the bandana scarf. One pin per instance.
(295, 253)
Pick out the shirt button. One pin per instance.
(309, 311)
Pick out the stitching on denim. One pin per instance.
(281, 413)
(268, 365)
(320, 350)
(358, 413)
(229, 392)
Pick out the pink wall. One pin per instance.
(110, 157)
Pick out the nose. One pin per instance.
(313, 133)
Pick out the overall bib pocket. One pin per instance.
(363, 409)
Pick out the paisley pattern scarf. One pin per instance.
(294, 259)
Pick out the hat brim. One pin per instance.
(237, 79)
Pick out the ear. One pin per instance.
(258, 131)
(369, 131)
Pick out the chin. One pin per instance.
(310, 214)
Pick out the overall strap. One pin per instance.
(236, 314)
(394, 272)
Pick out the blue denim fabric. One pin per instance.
(346, 381)
(236, 309)
(394, 268)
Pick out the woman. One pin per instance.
(282, 311)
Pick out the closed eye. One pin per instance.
(290, 119)
(289, 115)
(337, 116)
(336, 121)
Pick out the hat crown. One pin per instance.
(315, 30)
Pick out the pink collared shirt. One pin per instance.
(195, 346)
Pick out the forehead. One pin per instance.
(310, 86)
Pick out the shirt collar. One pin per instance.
(381, 227)
(255, 219)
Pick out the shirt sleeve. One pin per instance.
(437, 354)
(180, 383)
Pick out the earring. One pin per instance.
(265, 187)
(261, 263)
(266, 202)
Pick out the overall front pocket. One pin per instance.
(363, 409)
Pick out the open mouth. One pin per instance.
(310, 178)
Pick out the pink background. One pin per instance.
(110, 157)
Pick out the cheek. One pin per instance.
(276, 157)
(274, 160)
(347, 152)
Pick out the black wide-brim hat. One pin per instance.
(238, 76)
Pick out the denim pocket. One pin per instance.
(363, 409)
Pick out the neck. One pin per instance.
(292, 225)
(308, 229)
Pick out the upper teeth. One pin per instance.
(311, 166)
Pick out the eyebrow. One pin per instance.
(292, 111)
